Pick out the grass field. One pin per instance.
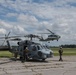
(66, 51)
(5, 54)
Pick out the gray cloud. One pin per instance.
(32, 17)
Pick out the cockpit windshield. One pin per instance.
(42, 47)
(45, 47)
(39, 47)
(52, 36)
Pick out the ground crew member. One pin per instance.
(60, 54)
(26, 56)
(25, 51)
(16, 54)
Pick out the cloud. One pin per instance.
(4, 24)
(6, 27)
(31, 16)
(12, 15)
(2, 31)
(18, 30)
(28, 19)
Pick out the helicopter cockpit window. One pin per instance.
(45, 47)
(50, 36)
(34, 48)
(38, 47)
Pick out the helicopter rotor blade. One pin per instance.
(8, 34)
(50, 31)
(3, 42)
(43, 33)
(15, 39)
(6, 37)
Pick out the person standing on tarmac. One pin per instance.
(16, 54)
(25, 51)
(60, 54)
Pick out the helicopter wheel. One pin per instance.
(26, 58)
(21, 58)
(43, 59)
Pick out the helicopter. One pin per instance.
(50, 37)
(35, 50)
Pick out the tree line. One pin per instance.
(68, 46)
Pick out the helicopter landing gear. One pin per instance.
(43, 59)
(21, 58)
(26, 58)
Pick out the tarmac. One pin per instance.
(51, 66)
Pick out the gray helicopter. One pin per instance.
(50, 37)
(35, 50)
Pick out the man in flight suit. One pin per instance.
(16, 54)
(60, 53)
(25, 51)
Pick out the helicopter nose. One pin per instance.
(58, 37)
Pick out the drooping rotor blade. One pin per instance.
(43, 33)
(8, 34)
(14, 36)
(50, 31)
(5, 37)
(32, 36)
(2, 37)
(10, 37)
(3, 42)
(15, 39)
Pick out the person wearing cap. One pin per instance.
(60, 54)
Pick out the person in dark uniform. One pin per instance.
(60, 54)
(16, 54)
(25, 51)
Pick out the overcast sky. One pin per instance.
(34, 16)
